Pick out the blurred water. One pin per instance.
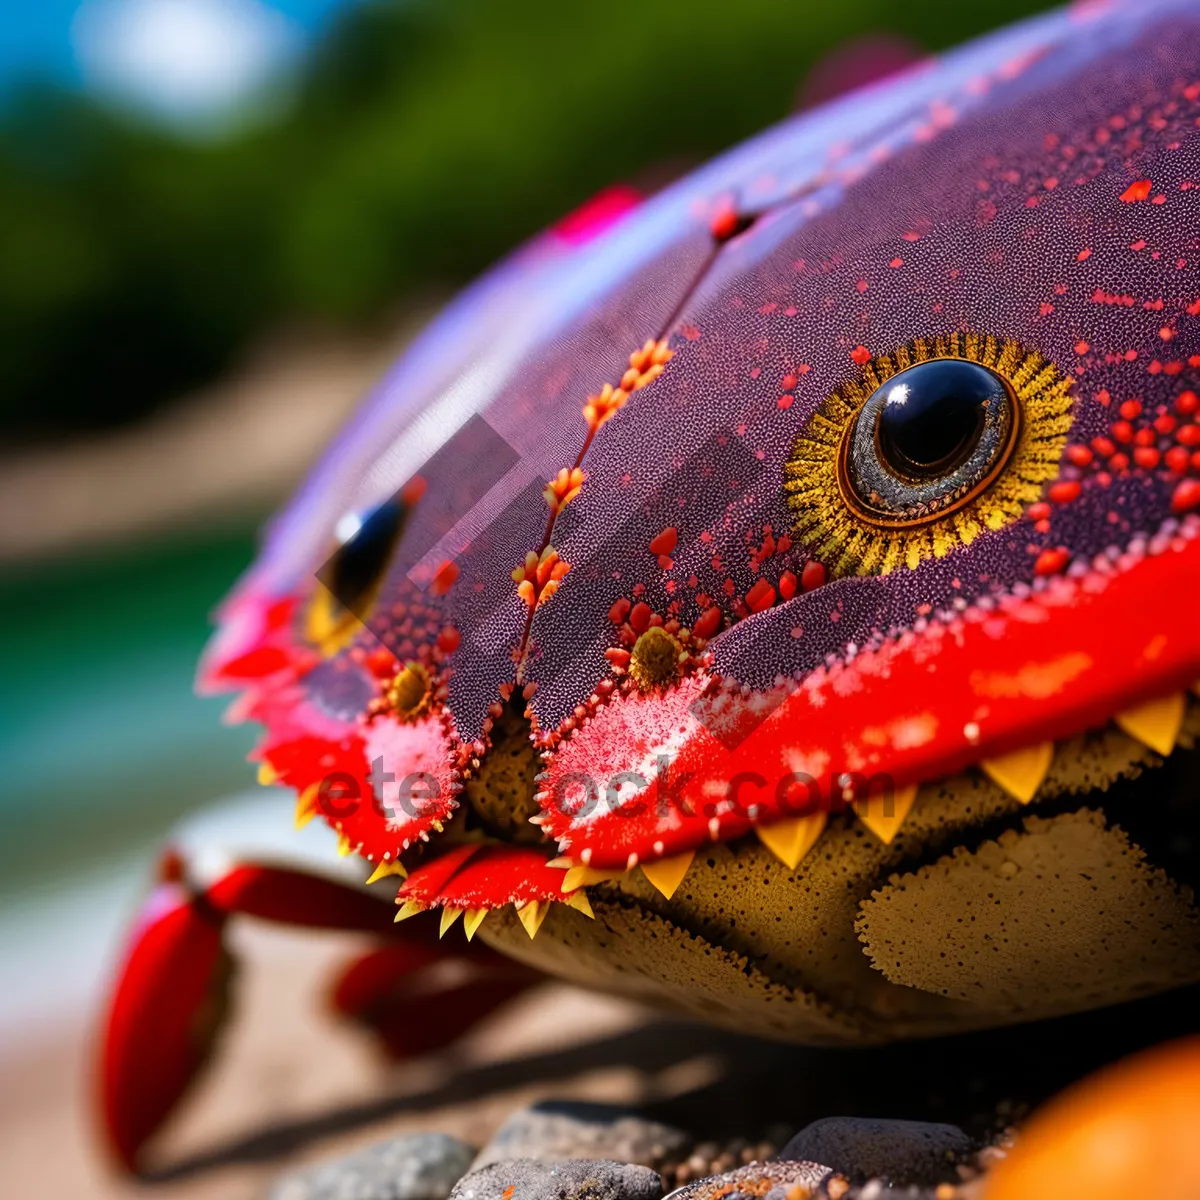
(102, 743)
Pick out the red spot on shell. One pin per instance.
(1064, 491)
(708, 622)
(1084, 254)
(1079, 455)
(639, 616)
(1176, 459)
(449, 639)
(1052, 561)
(1147, 457)
(1186, 495)
(664, 542)
(760, 597)
(1187, 402)
(787, 585)
(813, 576)
(1138, 190)
(444, 578)
(861, 355)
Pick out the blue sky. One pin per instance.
(157, 53)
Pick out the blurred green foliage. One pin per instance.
(427, 138)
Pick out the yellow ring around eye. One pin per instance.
(852, 538)
(888, 521)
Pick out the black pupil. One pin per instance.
(934, 413)
(353, 571)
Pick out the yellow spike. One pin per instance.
(564, 863)
(343, 847)
(885, 826)
(580, 901)
(792, 839)
(1156, 723)
(306, 806)
(1021, 773)
(267, 774)
(578, 877)
(450, 914)
(473, 920)
(384, 869)
(667, 873)
(532, 914)
(409, 908)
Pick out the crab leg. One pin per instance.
(170, 997)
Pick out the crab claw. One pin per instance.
(171, 994)
(164, 1013)
(418, 999)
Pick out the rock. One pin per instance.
(906, 1152)
(555, 1130)
(774, 1180)
(418, 1166)
(573, 1179)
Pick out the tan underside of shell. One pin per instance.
(1063, 914)
(747, 942)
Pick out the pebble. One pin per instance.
(574, 1179)
(775, 1180)
(556, 1130)
(906, 1152)
(419, 1166)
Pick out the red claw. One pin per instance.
(163, 1016)
(170, 998)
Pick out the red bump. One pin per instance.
(1138, 190)
(1186, 495)
(449, 640)
(708, 622)
(1147, 457)
(813, 575)
(760, 597)
(1083, 255)
(787, 585)
(1039, 511)
(1131, 409)
(639, 616)
(1188, 435)
(1052, 561)
(1122, 431)
(665, 542)
(1176, 459)
(619, 611)
(1103, 446)
(1187, 402)
(1079, 455)
(1064, 491)
(444, 577)
(861, 355)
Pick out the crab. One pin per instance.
(772, 599)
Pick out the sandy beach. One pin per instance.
(292, 1085)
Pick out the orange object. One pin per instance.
(1129, 1130)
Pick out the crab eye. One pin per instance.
(350, 580)
(357, 566)
(926, 440)
(929, 447)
